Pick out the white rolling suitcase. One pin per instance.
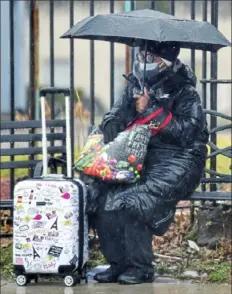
(50, 224)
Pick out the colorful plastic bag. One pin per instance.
(119, 161)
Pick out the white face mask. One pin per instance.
(154, 65)
(152, 69)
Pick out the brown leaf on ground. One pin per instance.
(5, 242)
(173, 239)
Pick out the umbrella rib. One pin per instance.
(88, 22)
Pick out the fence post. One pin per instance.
(34, 59)
(172, 7)
(72, 90)
(12, 90)
(92, 69)
(204, 76)
(111, 62)
(128, 53)
(152, 4)
(52, 74)
(34, 67)
(213, 89)
(192, 210)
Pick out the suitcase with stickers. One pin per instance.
(50, 225)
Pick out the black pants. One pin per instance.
(125, 241)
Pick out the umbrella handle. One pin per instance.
(144, 69)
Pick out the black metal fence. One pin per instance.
(170, 6)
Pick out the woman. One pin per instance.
(126, 217)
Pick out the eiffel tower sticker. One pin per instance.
(54, 226)
(35, 254)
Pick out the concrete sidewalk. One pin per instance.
(95, 288)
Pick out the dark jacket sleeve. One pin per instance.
(187, 122)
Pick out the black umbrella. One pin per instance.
(132, 28)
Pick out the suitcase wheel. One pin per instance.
(69, 281)
(21, 280)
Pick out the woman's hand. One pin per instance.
(142, 101)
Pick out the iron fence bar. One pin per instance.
(52, 59)
(220, 128)
(12, 90)
(6, 236)
(63, 168)
(30, 124)
(133, 7)
(216, 113)
(193, 63)
(34, 150)
(127, 48)
(193, 8)
(112, 68)
(213, 89)
(215, 81)
(19, 164)
(215, 173)
(204, 62)
(33, 67)
(92, 72)
(72, 92)
(30, 137)
(204, 76)
(6, 204)
(213, 195)
(214, 147)
(220, 151)
(152, 4)
(172, 7)
(221, 180)
(32, 58)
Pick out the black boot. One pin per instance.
(135, 276)
(109, 276)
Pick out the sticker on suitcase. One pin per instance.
(46, 225)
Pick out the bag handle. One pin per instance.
(145, 120)
(54, 90)
(66, 92)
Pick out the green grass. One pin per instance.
(6, 266)
(221, 273)
(217, 272)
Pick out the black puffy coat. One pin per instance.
(175, 159)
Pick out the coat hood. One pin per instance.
(181, 76)
(187, 74)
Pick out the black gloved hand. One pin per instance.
(112, 129)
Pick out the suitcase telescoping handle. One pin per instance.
(66, 92)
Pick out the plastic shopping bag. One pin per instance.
(118, 161)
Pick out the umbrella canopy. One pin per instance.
(132, 28)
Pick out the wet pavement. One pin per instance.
(170, 287)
